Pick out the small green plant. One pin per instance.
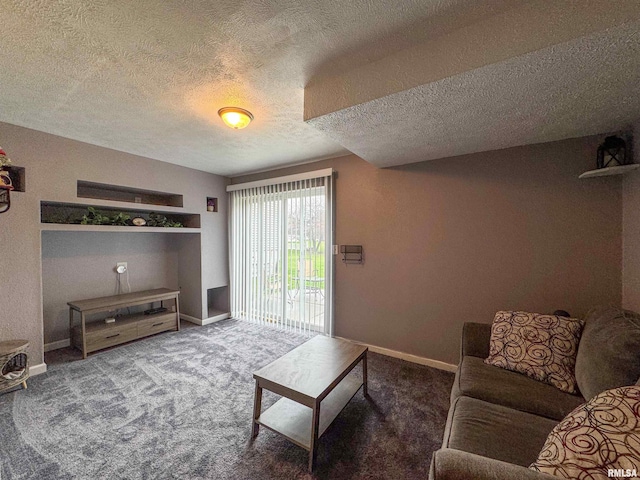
(95, 218)
(120, 219)
(157, 220)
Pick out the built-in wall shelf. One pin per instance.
(118, 193)
(72, 214)
(212, 204)
(608, 171)
(59, 227)
(218, 303)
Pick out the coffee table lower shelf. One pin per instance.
(293, 420)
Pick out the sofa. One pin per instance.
(499, 420)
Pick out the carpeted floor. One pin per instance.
(179, 405)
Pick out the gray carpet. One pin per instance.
(179, 405)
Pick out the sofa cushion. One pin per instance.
(450, 464)
(597, 437)
(544, 347)
(495, 431)
(475, 339)
(609, 352)
(485, 382)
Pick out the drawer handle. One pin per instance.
(157, 324)
(113, 336)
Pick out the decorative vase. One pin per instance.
(5, 177)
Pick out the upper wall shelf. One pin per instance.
(71, 214)
(605, 172)
(117, 193)
(60, 227)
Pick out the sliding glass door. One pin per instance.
(280, 253)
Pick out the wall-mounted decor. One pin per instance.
(5, 197)
(613, 158)
(352, 253)
(5, 178)
(212, 204)
(5, 162)
(612, 153)
(6, 184)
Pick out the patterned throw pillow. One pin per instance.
(543, 347)
(598, 440)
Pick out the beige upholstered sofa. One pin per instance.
(499, 420)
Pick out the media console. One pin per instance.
(96, 335)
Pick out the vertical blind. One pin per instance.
(281, 237)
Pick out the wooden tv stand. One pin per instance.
(93, 336)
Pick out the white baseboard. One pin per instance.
(449, 367)
(216, 318)
(206, 321)
(37, 369)
(56, 345)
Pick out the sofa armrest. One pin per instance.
(475, 339)
(450, 464)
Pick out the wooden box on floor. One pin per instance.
(14, 364)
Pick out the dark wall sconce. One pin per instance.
(5, 197)
(351, 253)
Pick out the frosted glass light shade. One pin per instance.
(235, 118)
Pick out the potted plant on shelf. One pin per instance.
(5, 177)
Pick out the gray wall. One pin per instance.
(79, 265)
(631, 232)
(455, 240)
(53, 166)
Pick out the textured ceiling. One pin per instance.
(147, 77)
(393, 81)
(585, 86)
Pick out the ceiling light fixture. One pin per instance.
(235, 118)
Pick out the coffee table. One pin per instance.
(311, 380)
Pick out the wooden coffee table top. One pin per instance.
(313, 368)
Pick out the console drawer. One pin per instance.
(157, 324)
(109, 337)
